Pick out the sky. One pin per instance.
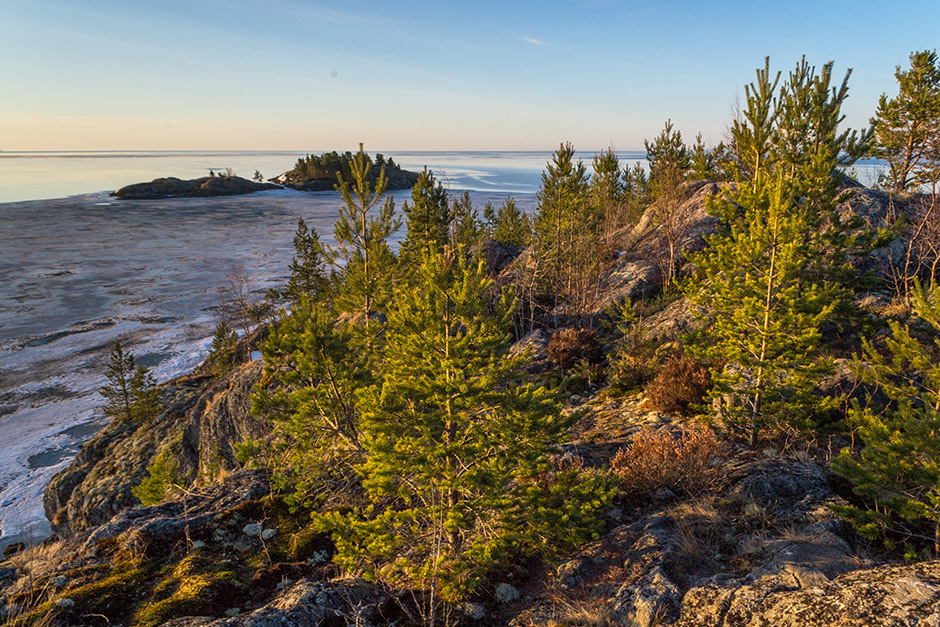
(419, 74)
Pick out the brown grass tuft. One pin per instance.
(684, 462)
(679, 385)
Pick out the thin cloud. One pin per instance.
(534, 42)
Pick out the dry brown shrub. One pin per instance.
(679, 385)
(685, 462)
(571, 346)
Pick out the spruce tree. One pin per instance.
(457, 448)
(904, 126)
(898, 470)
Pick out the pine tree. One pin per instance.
(131, 391)
(608, 194)
(563, 222)
(669, 161)
(507, 225)
(307, 275)
(317, 370)
(898, 470)
(465, 226)
(456, 447)
(222, 348)
(904, 126)
(362, 253)
(427, 218)
(765, 317)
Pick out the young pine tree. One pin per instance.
(316, 370)
(307, 275)
(222, 348)
(131, 392)
(905, 126)
(898, 470)
(457, 449)
(427, 218)
(508, 224)
(362, 252)
(766, 317)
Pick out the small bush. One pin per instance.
(656, 460)
(160, 480)
(679, 386)
(572, 346)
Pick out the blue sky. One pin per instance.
(420, 75)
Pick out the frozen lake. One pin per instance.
(77, 273)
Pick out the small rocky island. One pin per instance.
(207, 186)
(310, 174)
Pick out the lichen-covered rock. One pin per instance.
(308, 603)
(887, 596)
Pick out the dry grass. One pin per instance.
(572, 346)
(679, 386)
(685, 462)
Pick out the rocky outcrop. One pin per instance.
(206, 186)
(203, 419)
(888, 596)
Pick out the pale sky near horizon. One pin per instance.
(420, 75)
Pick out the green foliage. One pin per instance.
(766, 316)
(771, 276)
(131, 393)
(427, 218)
(454, 444)
(668, 159)
(161, 478)
(222, 349)
(898, 470)
(507, 225)
(307, 274)
(362, 252)
(568, 253)
(315, 367)
(465, 226)
(906, 127)
(258, 177)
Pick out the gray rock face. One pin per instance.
(308, 603)
(166, 522)
(206, 416)
(172, 187)
(886, 596)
